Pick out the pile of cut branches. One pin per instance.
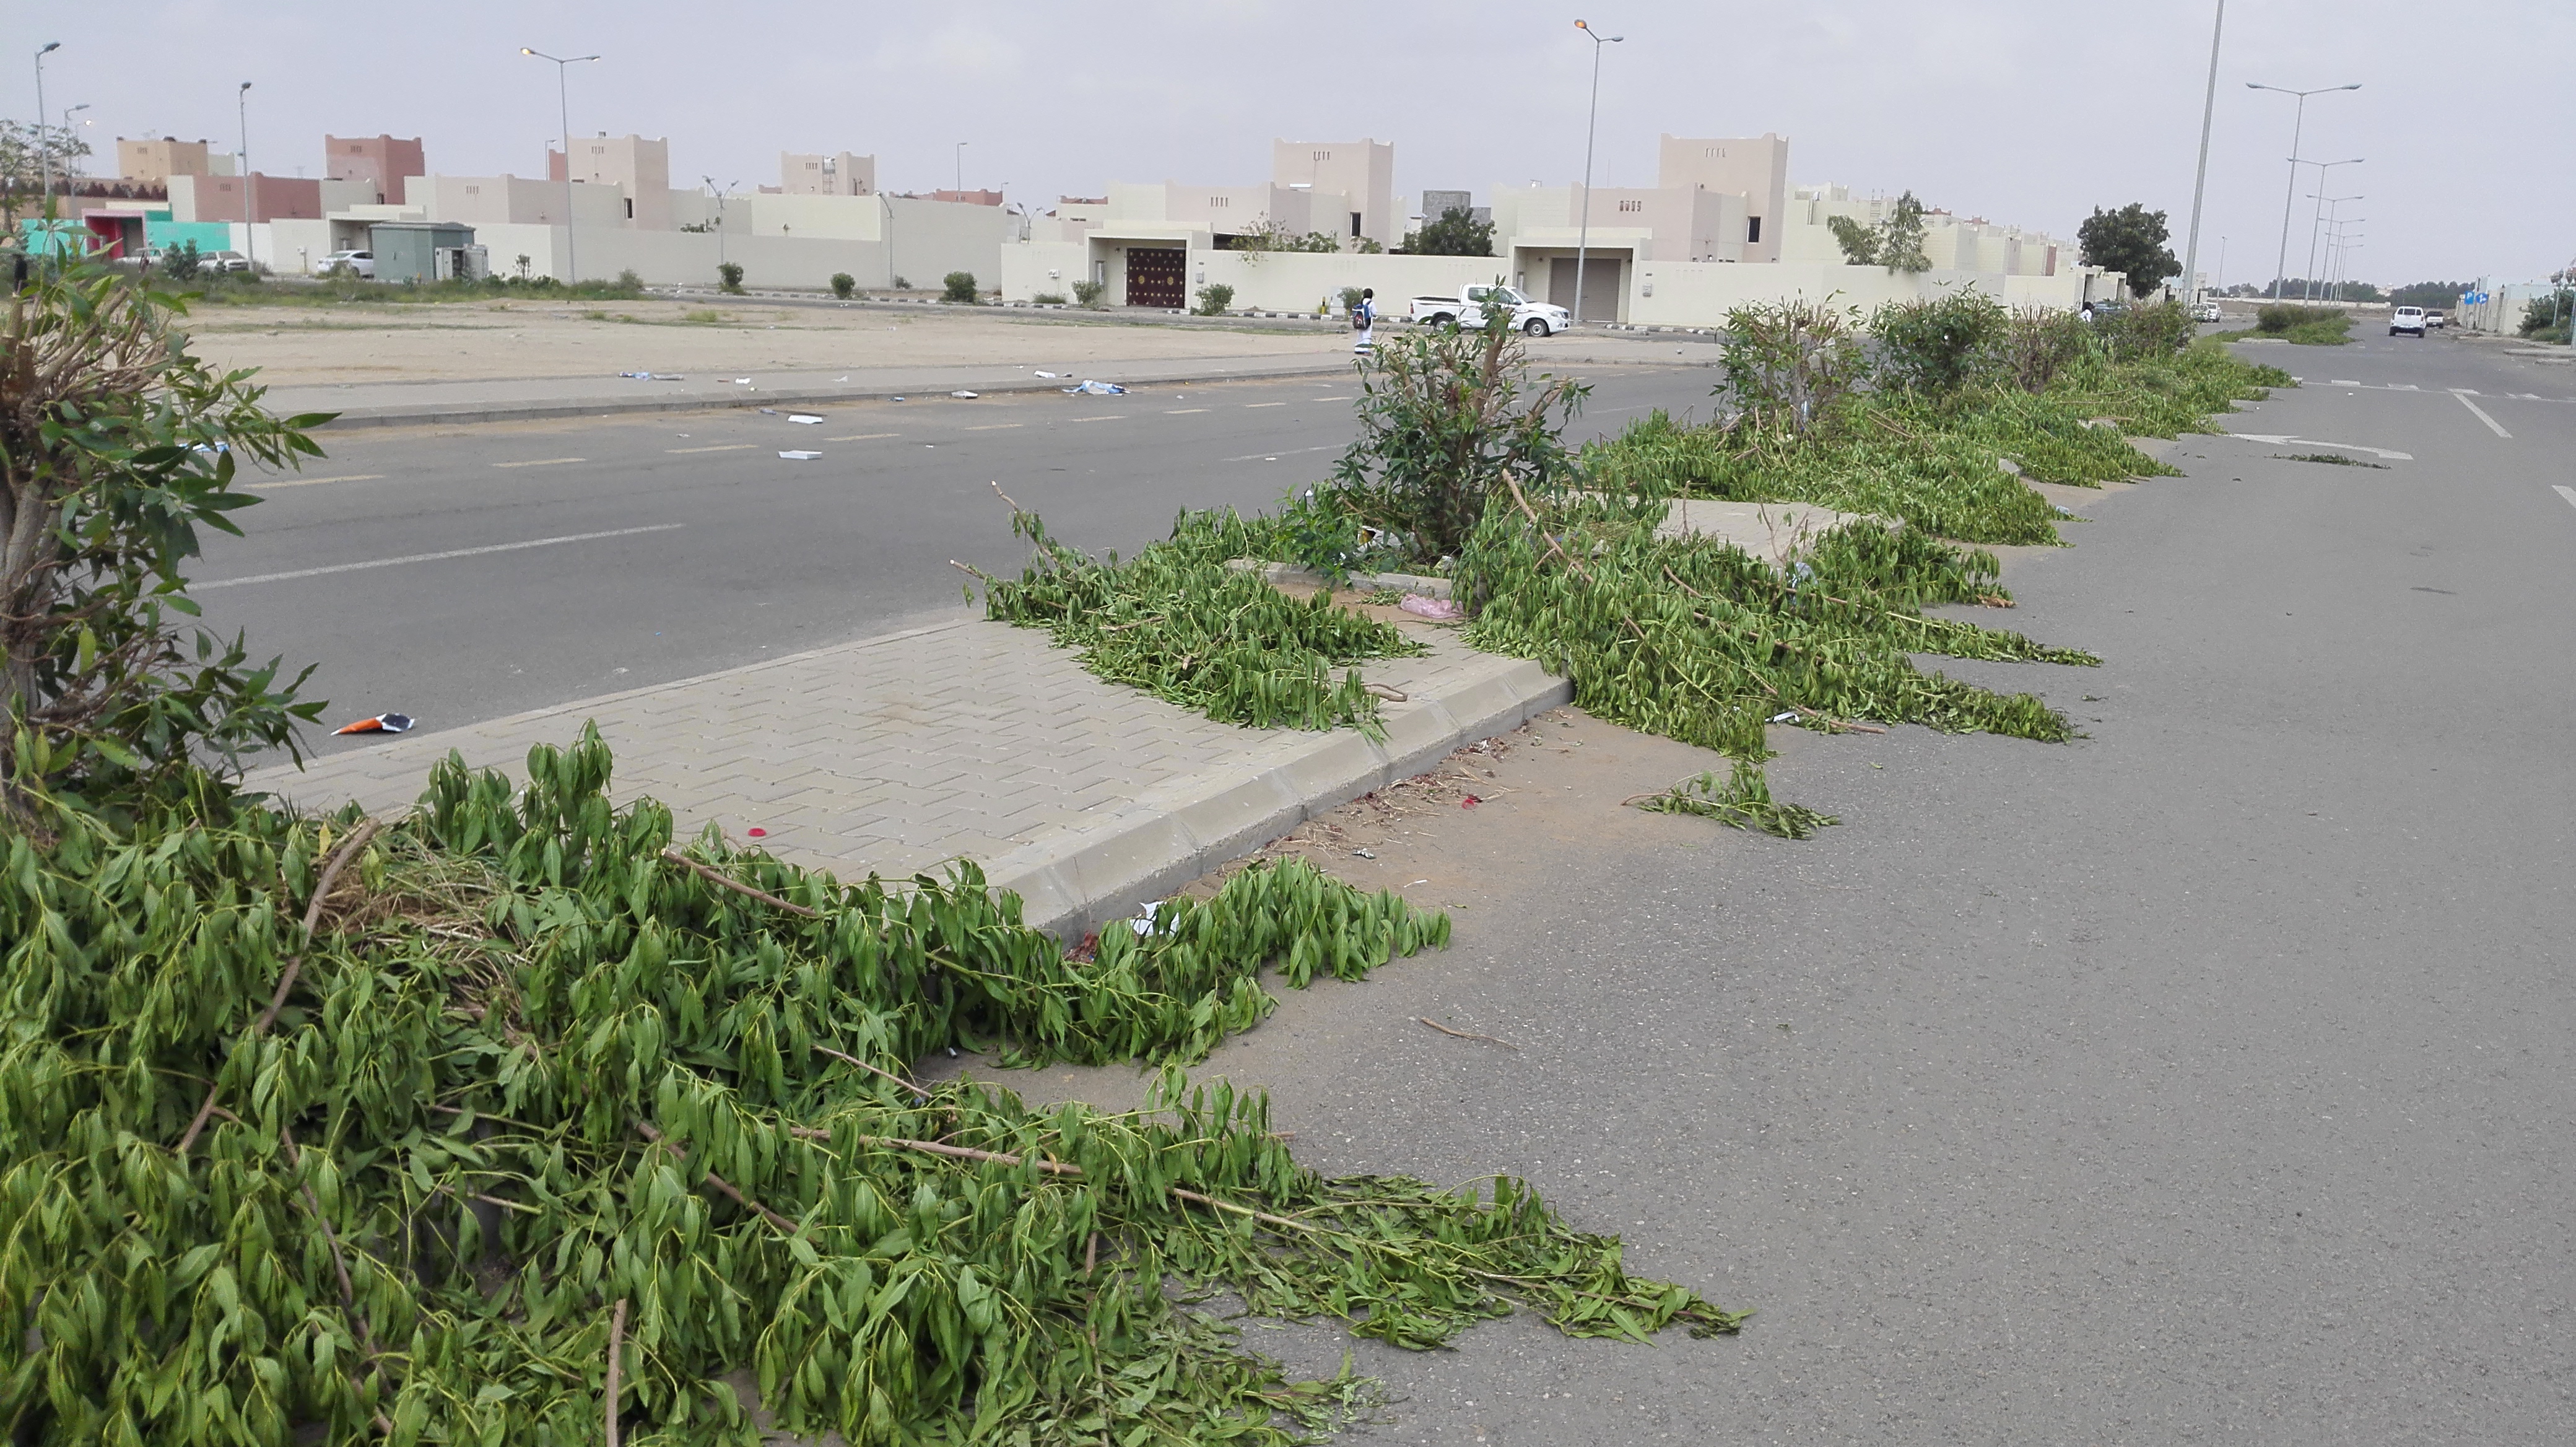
(509, 1122)
(1178, 623)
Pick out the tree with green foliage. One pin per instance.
(1859, 243)
(2442, 295)
(959, 288)
(116, 446)
(1895, 242)
(2130, 240)
(1456, 233)
(729, 277)
(23, 152)
(844, 285)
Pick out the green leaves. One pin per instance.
(510, 997)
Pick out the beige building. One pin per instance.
(380, 163)
(640, 169)
(1756, 170)
(155, 162)
(1361, 172)
(838, 174)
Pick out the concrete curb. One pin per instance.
(539, 409)
(1170, 836)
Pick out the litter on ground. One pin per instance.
(1098, 389)
(383, 723)
(962, 392)
(1441, 609)
(793, 455)
(1049, 374)
(808, 418)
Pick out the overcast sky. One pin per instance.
(2017, 110)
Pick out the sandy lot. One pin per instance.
(526, 340)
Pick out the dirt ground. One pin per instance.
(512, 340)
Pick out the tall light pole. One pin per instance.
(563, 105)
(2317, 217)
(2289, 198)
(44, 143)
(250, 185)
(721, 193)
(1583, 231)
(961, 170)
(2200, 177)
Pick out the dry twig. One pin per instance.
(1464, 1034)
(714, 876)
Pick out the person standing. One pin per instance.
(1364, 321)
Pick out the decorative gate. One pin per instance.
(1155, 278)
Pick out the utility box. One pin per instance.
(422, 251)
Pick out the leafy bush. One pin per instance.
(1214, 298)
(844, 285)
(2547, 313)
(1788, 363)
(180, 263)
(960, 288)
(2153, 329)
(2313, 326)
(2037, 343)
(629, 282)
(731, 275)
(1048, 298)
(1936, 345)
(1089, 294)
(1456, 232)
(903, 283)
(116, 446)
(1448, 421)
(1349, 297)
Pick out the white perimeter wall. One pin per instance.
(1699, 294)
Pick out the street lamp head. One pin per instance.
(245, 85)
(50, 47)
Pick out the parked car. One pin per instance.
(1467, 309)
(2406, 320)
(222, 261)
(2436, 319)
(2206, 312)
(357, 263)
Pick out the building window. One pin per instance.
(1632, 205)
(630, 208)
(1214, 201)
(1752, 230)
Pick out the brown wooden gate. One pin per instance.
(1155, 278)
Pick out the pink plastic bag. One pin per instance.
(1437, 609)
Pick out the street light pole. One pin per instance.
(721, 193)
(563, 106)
(961, 170)
(2200, 177)
(44, 143)
(2290, 197)
(1592, 117)
(2317, 217)
(250, 184)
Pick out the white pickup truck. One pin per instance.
(1467, 309)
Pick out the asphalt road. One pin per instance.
(466, 573)
(2203, 1080)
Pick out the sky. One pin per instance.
(2020, 111)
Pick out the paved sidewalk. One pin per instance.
(979, 740)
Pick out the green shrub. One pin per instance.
(1788, 363)
(1349, 297)
(1214, 298)
(1936, 344)
(1048, 298)
(731, 273)
(960, 288)
(1449, 423)
(2037, 343)
(629, 283)
(180, 263)
(844, 285)
(2150, 329)
(1090, 293)
(2546, 314)
(903, 283)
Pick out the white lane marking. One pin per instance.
(431, 557)
(266, 484)
(1183, 411)
(996, 427)
(541, 462)
(2465, 392)
(2282, 440)
(1103, 417)
(2568, 493)
(2404, 387)
(2492, 425)
(1328, 399)
(1288, 452)
(1265, 404)
(725, 447)
(863, 437)
(2341, 382)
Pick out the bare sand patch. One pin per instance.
(527, 341)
